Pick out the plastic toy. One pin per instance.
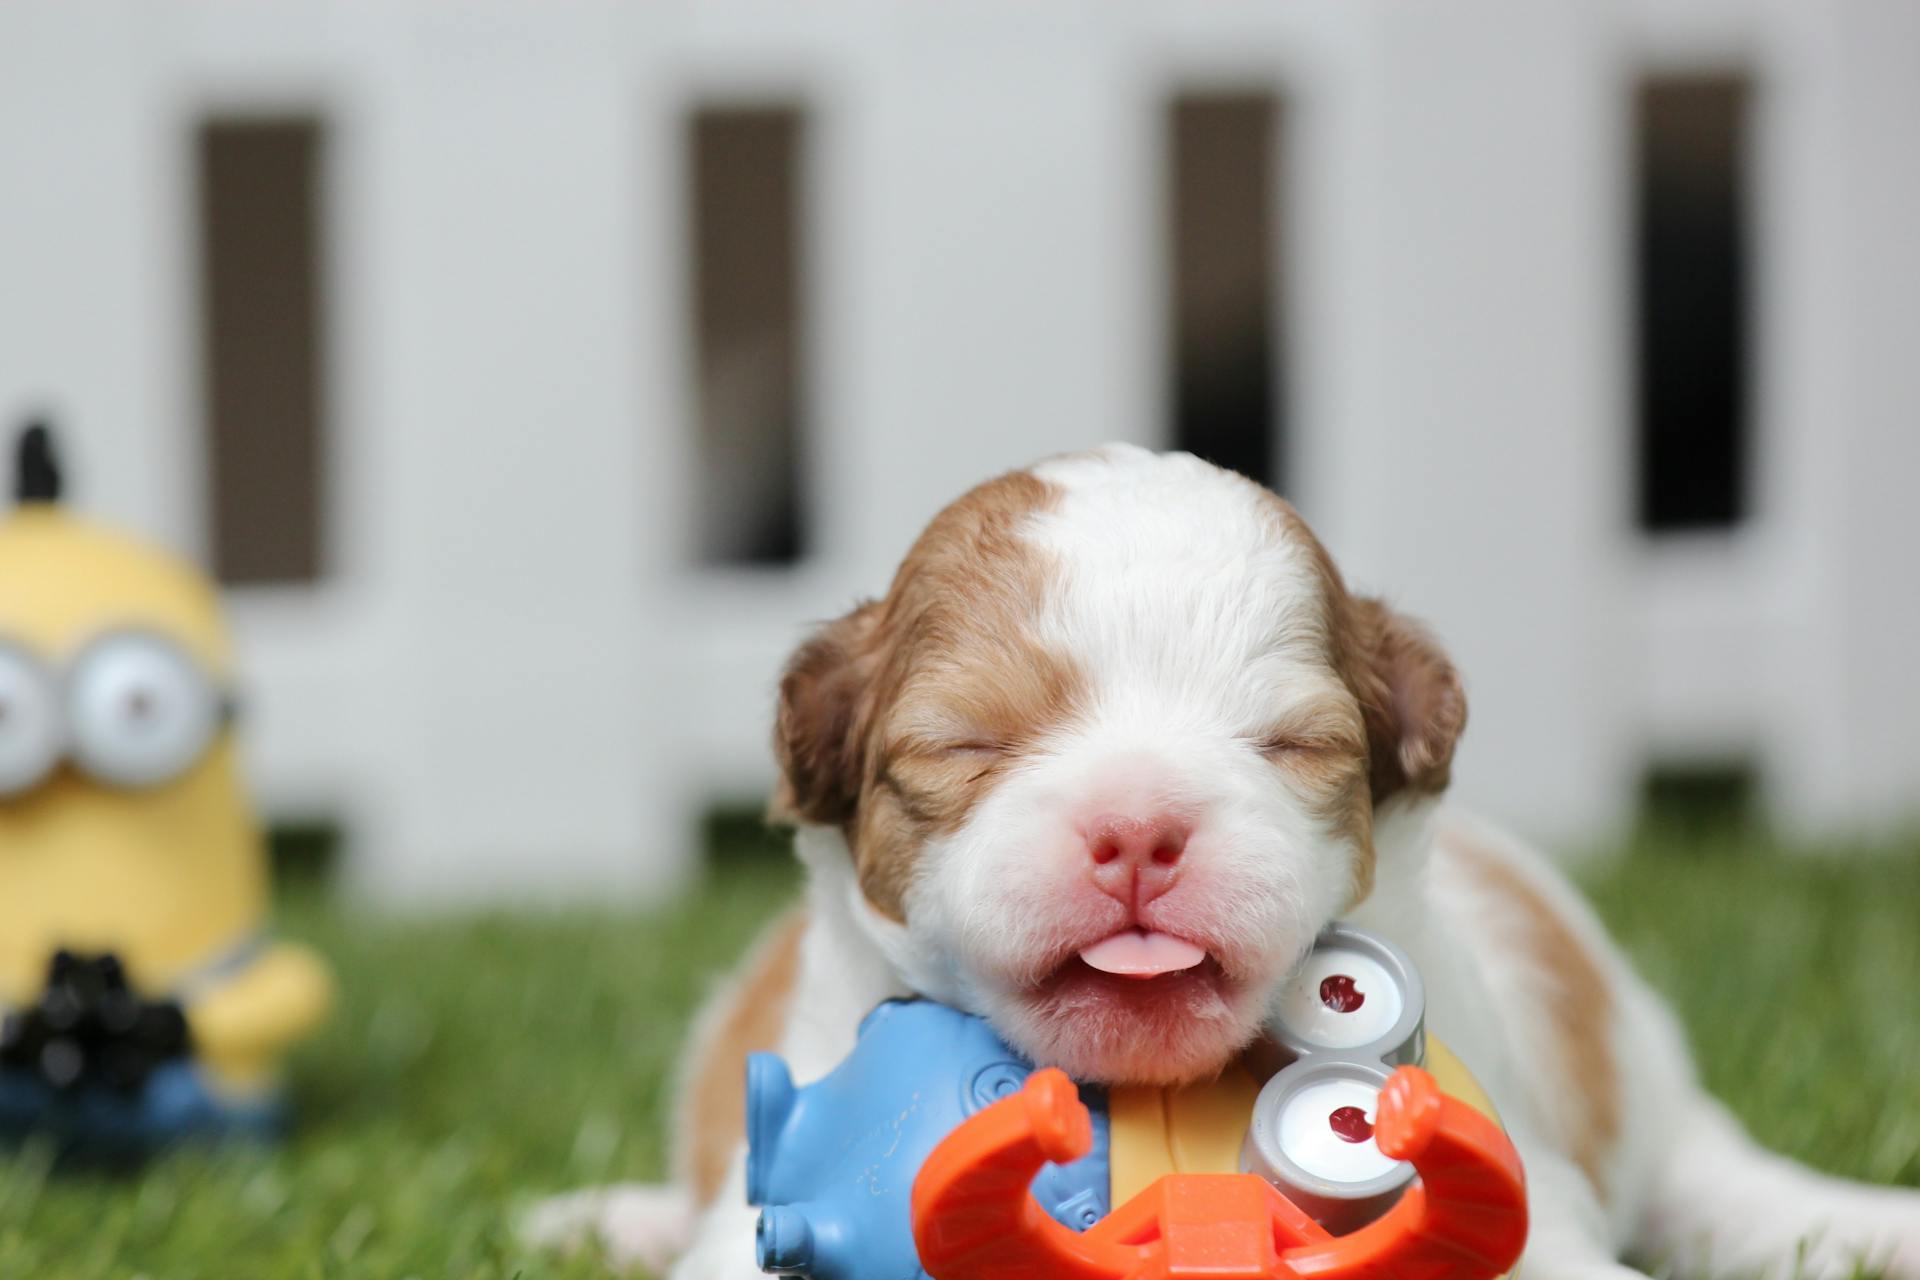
(142, 1000)
(1466, 1215)
(934, 1150)
(835, 1162)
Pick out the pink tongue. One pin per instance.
(1135, 954)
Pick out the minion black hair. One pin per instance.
(36, 475)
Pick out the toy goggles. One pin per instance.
(1352, 1013)
(132, 709)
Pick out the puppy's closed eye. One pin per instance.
(1313, 732)
(935, 781)
(941, 749)
(1278, 746)
(981, 747)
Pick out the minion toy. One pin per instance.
(142, 1000)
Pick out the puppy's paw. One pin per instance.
(1890, 1248)
(1858, 1256)
(1863, 1232)
(1874, 1245)
(637, 1225)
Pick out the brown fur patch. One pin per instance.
(1327, 754)
(897, 719)
(818, 725)
(747, 1018)
(1579, 1016)
(1323, 752)
(1411, 697)
(1410, 703)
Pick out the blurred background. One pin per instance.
(533, 374)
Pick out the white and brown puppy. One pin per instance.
(1119, 712)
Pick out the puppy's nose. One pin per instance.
(1134, 859)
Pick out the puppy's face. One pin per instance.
(1106, 756)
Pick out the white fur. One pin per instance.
(1197, 630)
(636, 1225)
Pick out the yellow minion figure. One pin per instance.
(142, 999)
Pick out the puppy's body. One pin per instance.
(1127, 697)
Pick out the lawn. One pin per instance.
(476, 1062)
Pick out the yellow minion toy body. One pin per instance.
(133, 878)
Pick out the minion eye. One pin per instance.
(29, 722)
(139, 710)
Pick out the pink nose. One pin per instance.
(1135, 859)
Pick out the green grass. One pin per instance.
(472, 1064)
(1797, 976)
(478, 1062)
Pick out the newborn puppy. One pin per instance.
(1115, 746)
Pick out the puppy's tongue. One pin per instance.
(1142, 954)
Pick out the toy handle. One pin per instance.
(973, 1215)
(1465, 1216)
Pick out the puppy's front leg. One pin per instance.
(838, 983)
(637, 1224)
(1722, 1206)
(722, 1246)
(1568, 1237)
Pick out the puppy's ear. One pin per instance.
(819, 728)
(1411, 698)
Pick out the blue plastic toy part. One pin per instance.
(832, 1164)
(174, 1104)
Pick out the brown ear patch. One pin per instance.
(1410, 696)
(818, 726)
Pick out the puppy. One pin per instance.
(1122, 694)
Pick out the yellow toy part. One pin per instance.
(241, 1027)
(1193, 1128)
(166, 878)
(1452, 1076)
(167, 873)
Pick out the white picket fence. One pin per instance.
(512, 683)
